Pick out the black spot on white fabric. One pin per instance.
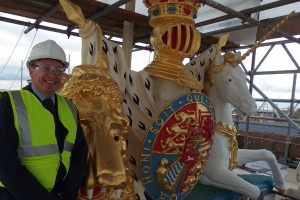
(199, 76)
(129, 120)
(137, 196)
(129, 111)
(148, 112)
(134, 176)
(104, 47)
(91, 49)
(192, 72)
(210, 50)
(115, 48)
(125, 101)
(147, 84)
(125, 76)
(130, 80)
(192, 62)
(142, 126)
(116, 67)
(202, 63)
(132, 160)
(136, 99)
(210, 61)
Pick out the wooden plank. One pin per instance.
(291, 27)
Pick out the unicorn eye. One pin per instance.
(229, 79)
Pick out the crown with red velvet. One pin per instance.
(186, 8)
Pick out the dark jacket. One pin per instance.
(19, 183)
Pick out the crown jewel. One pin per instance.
(186, 8)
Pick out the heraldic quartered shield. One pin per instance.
(176, 147)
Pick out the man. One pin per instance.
(43, 151)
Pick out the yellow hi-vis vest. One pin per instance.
(37, 146)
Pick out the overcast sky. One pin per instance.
(13, 52)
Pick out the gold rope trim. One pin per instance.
(230, 132)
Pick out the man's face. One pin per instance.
(46, 76)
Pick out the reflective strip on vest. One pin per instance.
(68, 146)
(73, 109)
(24, 121)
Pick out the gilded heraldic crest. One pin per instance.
(176, 147)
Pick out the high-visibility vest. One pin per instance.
(37, 146)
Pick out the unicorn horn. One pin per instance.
(271, 32)
(223, 40)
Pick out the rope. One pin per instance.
(31, 45)
(13, 50)
(24, 59)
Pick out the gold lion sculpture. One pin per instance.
(99, 101)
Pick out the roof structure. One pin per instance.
(112, 16)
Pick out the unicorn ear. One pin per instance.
(238, 54)
(219, 59)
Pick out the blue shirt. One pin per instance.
(41, 96)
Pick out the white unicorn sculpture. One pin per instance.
(228, 88)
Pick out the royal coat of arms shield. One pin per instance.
(176, 147)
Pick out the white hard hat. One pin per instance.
(47, 50)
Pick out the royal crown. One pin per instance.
(187, 8)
